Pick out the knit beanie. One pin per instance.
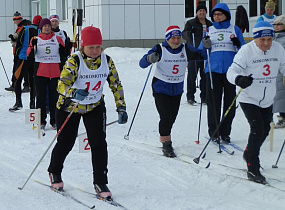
(54, 17)
(172, 31)
(263, 29)
(43, 22)
(37, 19)
(270, 5)
(201, 6)
(17, 16)
(280, 19)
(91, 36)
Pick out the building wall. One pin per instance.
(7, 10)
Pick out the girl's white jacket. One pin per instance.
(264, 67)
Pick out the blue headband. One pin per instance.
(263, 33)
(172, 34)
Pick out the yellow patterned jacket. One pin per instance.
(69, 75)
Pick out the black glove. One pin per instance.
(153, 58)
(207, 43)
(244, 81)
(12, 37)
(34, 41)
(235, 41)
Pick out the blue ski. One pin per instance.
(224, 148)
(235, 146)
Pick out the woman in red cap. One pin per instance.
(82, 80)
(46, 48)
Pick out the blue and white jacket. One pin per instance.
(220, 61)
(160, 86)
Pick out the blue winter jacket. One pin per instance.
(159, 86)
(221, 60)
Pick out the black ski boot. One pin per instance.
(103, 191)
(26, 89)
(216, 139)
(16, 107)
(167, 149)
(253, 174)
(226, 139)
(56, 181)
(11, 88)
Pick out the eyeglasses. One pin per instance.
(218, 14)
(278, 24)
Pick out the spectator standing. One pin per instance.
(54, 19)
(25, 65)
(193, 34)
(279, 99)
(20, 23)
(47, 48)
(268, 16)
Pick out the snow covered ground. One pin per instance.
(140, 178)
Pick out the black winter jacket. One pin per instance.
(193, 26)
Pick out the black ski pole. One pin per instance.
(275, 166)
(213, 99)
(196, 160)
(199, 126)
(57, 134)
(5, 71)
(127, 136)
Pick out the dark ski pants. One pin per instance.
(222, 90)
(24, 67)
(42, 83)
(259, 120)
(193, 68)
(167, 107)
(95, 125)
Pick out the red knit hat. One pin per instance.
(172, 31)
(37, 19)
(43, 22)
(91, 36)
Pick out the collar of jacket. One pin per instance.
(174, 51)
(56, 29)
(46, 36)
(220, 25)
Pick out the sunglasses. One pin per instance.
(278, 24)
